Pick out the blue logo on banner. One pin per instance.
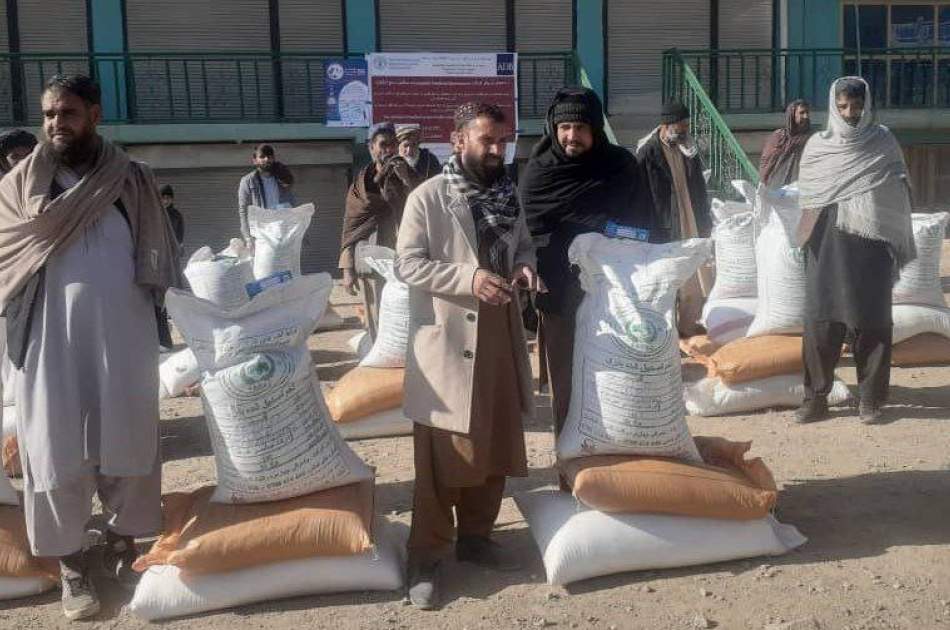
(506, 64)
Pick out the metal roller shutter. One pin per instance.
(39, 32)
(6, 95)
(226, 89)
(543, 25)
(308, 25)
(442, 26)
(637, 34)
(745, 24)
(208, 200)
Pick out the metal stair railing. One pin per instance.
(719, 149)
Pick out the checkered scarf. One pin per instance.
(495, 211)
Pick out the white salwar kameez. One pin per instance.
(87, 395)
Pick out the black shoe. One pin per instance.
(870, 413)
(117, 558)
(80, 600)
(424, 585)
(812, 411)
(484, 552)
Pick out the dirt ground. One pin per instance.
(874, 503)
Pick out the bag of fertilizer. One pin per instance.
(221, 278)
(392, 423)
(922, 350)
(177, 372)
(734, 240)
(278, 238)
(780, 270)
(711, 397)
(920, 279)
(270, 429)
(728, 320)
(21, 573)
(627, 379)
(578, 543)
(911, 320)
(389, 348)
(164, 593)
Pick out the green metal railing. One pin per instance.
(719, 149)
(224, 86)
(764, 80)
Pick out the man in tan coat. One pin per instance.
(463, 245)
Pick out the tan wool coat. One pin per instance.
(437, 256)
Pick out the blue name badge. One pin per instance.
(616, 230)
(259, 286)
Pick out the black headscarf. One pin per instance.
(563, 196)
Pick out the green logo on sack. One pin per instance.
(646, 333)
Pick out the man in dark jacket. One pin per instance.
(574, 183)
(174, 215)
(15, 145)
(680, 200)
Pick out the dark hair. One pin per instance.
(78, 85)
(379, 129)
(167, 191)
(15, 139)
(265, 149)
(851, 88)
(467, 112)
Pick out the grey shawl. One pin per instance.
(862, 170)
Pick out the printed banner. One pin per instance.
(426, 88)
(347, 90)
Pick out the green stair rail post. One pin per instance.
(718, 147)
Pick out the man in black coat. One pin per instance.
(575, 182)
(674, 171)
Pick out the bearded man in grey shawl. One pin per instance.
(86, 254)
(857, 236)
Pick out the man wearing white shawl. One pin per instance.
(853, 187)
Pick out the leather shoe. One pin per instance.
(424, 585)
(812, 411)
(485, 553)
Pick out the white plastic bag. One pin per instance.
(271, 432)
(360, 344)
(177, 372)
(920, 279)
(911, 320)
(578, 543)
(391, 423)
(627, 381)
(728, 320)
(163, 592)
(392, 337)
(712, 397)
(734, 240)
(223, 278)
(780, 270)
(18, 587)
(278, 238)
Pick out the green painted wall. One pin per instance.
(813, 24)
(589, 26)
(108, 36)
(361, 26)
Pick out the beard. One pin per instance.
(80, 149)
(486, 170)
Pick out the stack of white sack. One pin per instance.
(389, 347)
(9, 447)
(278, 241)
(921, 317)
(298, 503)
(21, 573)
(225, 279)
(764, 369)
(730, 306)
(628, 402)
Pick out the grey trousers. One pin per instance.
(56, 520)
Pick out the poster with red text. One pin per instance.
(426, 88)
